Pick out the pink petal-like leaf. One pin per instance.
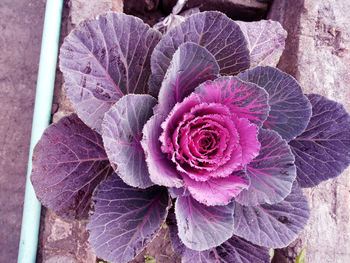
(248, 140)
(162, 170)
(217, 191)
(245, 100)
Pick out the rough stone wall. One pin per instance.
(317, 54)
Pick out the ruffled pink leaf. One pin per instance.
(218, 191)
(248, 140)
(162, 170)
(245, 100)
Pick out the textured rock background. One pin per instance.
(317, 54)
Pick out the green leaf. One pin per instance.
(301, 256)
(272, 253)
(150, 259)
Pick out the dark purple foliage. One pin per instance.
(69, 161)
(322, 151)
(290, 109)
(122, 134)
(274, 225)
(235, 249)
(125, 219)
(271, 173)
(202, 227)
(220, 35)
(104, 59)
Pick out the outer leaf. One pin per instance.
(162, 170)
(190, 66)
(266, 40)
(290, 109)
(104, 59)
(275, 225)
(235, 250)
(68, 163)
(202, 227)
(271, 173)
(176, 242)
(125, 219)
(246, 100)
(122, 134)
(213, 30)
(322, 151)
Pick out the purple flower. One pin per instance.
(204, 143)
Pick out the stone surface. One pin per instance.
(20, 39)
(87, 9)
(246, 10)
(317, 54)
(63, 241)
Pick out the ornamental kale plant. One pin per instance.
(197, 119)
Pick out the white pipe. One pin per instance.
(41, 119)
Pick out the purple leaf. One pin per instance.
(104, 59)
(175, 192)
(176, 242)
(125, 219)
(190, 66)
(266, 40)
(68, 163)
(202, 227)
(246, 100)
(220, 35)
(235, 249)
(290, 109)
(275, 225)
(220, 190)
(162, 170)
(322, 151)
(122, 134)
(271, 173)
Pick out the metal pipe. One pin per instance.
(41, 119)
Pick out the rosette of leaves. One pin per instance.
(198, 119)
